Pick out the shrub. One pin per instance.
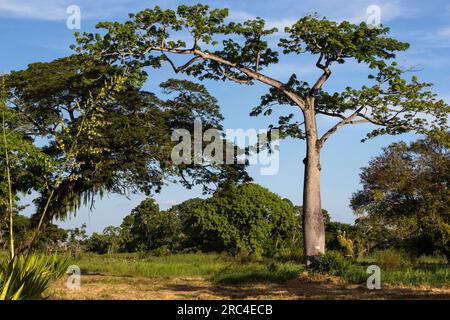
(346, 243)
(162, 251)
(390, 259)
(331, 262)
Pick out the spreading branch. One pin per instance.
(323, 78)
(338, 125)
(202, 55)
(179, 69)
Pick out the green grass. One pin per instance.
(397, 268)
(258, 272)
(224, 269)
(437, 276)
(3, 254)
(216, 267)
(221, 268)
(426, 270)
(179, 265)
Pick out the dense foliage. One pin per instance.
(50, 240)
(405, 199)
(98, 132)
(246, 219)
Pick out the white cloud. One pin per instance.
(43, 10)
(240, 15)
(446, 98)
(281, 23)
(389, 12)
(433, 39)
(392, 11)
(98, 9)
(351, 10)
(445, 32)
(56, 10)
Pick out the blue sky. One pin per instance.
(33, 31)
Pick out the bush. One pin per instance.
(391, 259)
(162, 251)
(331, 262)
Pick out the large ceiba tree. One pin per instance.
(221, 50)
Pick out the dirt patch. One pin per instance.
(103, 286)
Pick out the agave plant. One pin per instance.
(27, 277)
(6, 283)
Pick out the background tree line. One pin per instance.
(404, 204)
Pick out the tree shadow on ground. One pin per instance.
(304, 289)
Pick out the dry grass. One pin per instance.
(104, 286)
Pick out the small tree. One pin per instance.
(76, 240)
(107, 242)
(240, 52)
(191, 237)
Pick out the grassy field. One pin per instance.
(216, 276)
(215, 267)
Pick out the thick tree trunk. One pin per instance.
(313, 225)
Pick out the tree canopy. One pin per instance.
(130, 142)
(248, 219)
(151, 229)
(80, 128)
(240, 52)
(405, 196)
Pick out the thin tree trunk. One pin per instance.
(313, 225)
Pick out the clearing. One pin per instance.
(214, 276)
